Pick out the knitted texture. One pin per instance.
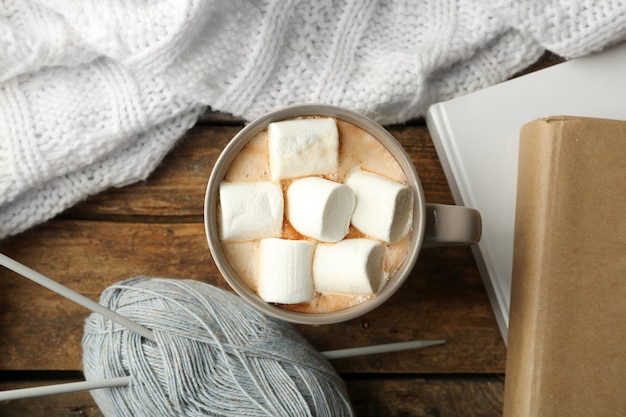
(93, 93)
(214, 356)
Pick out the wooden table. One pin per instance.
(155, 228)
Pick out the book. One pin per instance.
(476, 138)
(567, 341)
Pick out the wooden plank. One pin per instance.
(155, 229)
(370, 397)
(87, 257)
(443, 299)
(177, 187)
(438, 396)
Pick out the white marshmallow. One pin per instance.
(302, 147)
(285, 271)
(352, 266)
(319, 208)
(250, 210)
(384, 208)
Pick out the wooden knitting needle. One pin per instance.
(74, 296)
(124, 381)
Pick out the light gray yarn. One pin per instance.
(214, 356)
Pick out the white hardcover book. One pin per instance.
(476, 137)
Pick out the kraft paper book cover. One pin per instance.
(567, 336)
(476, 138)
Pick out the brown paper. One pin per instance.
(567, 339)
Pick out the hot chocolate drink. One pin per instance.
(357, 151)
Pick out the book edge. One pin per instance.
(441, 135)
(539, 149)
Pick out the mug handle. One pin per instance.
(448, 225)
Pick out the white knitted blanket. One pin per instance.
(94, 93)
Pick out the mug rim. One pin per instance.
(230, 152)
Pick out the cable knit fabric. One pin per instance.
(94, 93)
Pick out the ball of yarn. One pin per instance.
(214, 356)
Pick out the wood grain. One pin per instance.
(431, 396)
(176, 189)
(434, 396)
(155, 228)
(442, 299)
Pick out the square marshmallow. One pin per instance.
(351, 266)
(250, 210)
(384, 208)
(285, 271)
(302, 147)
(319, 208)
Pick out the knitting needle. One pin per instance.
(376, 349)
(74, 296)
(21, 393)
(125, 380)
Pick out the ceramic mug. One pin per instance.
(432, 224)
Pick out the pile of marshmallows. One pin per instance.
(291, 271)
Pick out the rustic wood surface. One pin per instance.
(155, 228)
